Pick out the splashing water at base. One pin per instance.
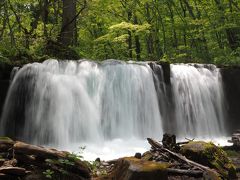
(114, 149)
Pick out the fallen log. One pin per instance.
(13, 171)
(23, 148)
(182, 172)
(182, 143)
(158, 146)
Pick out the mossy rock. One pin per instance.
(6, 145)
(6, 139)
(148, 156)
(209, 155)
(232, 153)
(131, 168)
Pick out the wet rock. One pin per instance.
(231, 79)
(98, 160)
(235, 140)
(104, 164)
(209, 155)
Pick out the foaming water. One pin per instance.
(198, 99)
(107, 150)
(113, 149)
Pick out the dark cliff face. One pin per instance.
(5, 73)
(231, 81)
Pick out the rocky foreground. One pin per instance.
(169, 160)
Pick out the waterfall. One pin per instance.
(64, 102)
(74, 101)
(198, 99)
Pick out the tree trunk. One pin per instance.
(129, 37)
(45, 13)
(68, 34)
(137, 42)
(149, 38)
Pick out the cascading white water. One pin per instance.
(69, 101)
(198, 99)
(113, 104)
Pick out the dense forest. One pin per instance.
(170, 30)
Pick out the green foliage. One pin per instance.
(228, 58)
(76, 156)
(66, 162)
(179, 31)
(48, 173)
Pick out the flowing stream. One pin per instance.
(111, 107)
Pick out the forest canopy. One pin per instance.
(170, 30)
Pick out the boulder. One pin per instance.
(131, 168)
(209, 155)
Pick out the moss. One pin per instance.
(135, 169)
(148, 156)
(146, 166)
(210, 155)
(5, 139)
(231, 153)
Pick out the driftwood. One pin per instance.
(182, 143)
(157, 146)
(23, 148)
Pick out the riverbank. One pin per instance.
(170, 160)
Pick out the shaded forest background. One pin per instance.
(206, 31)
